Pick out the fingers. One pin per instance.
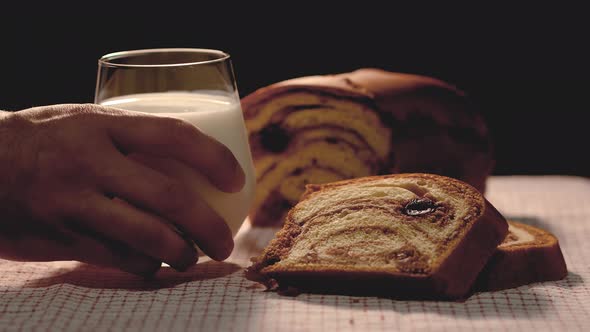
(174, 197)
(197, 219)
(79, 247)
(115, 255)
(141, 185)
(99, 217)
(177, 139)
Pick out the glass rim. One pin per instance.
(106, 60)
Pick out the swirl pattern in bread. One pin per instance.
(321, 129)
(403, 235)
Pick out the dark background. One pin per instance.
(524, 68)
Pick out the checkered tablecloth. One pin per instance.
(215, 296)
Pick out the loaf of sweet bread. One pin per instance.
(402, 236)
(528, 254)
(321, 129)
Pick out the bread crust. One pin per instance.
(433, 127)
(365, 83)
(517, 265)
(451, 278)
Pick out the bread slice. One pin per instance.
(528, 254)
(325, 128)
(401, 236)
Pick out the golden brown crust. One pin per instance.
(433, 127)
(516, 265)
(451, 277)
(365, 83)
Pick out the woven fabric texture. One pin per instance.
(215, 296)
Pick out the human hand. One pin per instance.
(61, 166)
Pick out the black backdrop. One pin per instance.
(522, 68)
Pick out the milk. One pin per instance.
(217, 115)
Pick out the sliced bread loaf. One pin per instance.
(401, 236)
(528, 254)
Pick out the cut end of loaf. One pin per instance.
(528, 254)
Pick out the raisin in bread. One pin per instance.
(402, 236)
(321, 129)
(528, 254)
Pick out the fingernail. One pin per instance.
(147, 270)
(241, 176)
(224, 250)
(236, 179)
(229, 247)
(149, 274)
(226, 246)
(188, 259)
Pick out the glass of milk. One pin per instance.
(195, 85)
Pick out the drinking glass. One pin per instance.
(195, 85)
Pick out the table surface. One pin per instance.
(215, 295)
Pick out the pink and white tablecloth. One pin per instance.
(213, 296)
